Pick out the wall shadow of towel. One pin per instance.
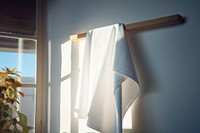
(144, 72)
(140, 119)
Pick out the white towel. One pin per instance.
(107, 83)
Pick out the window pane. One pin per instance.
(27, 105)
(20, 54)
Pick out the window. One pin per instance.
(20, 53)
(22, 40)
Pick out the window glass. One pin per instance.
(19, 54)
(27, 105)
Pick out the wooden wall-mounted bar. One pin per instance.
(144, 25)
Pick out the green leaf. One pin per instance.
(11, 79)
(23, 123)
(2, 123)
(27, 129)
(18, 131)
(2, 95)
(7, 69)
(14, 121)
(21, 93)
(6, 107)
(9, 111)
(2, 88)
(22, 119)
(5, 114)
(5, 131)
(3, 69)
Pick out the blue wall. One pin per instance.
(167, 59)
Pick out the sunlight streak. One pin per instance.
(66, 59)
(65, 88)
(65, 105)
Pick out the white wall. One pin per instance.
(167, 59)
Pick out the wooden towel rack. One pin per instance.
(144, 25)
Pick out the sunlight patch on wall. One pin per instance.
(49, 61)
(65, 88)
(66, 59)
(65, 105)
(49, 88)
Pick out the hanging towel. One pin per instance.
(107, 83)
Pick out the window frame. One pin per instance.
(41, 74)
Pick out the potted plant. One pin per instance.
(11, 120)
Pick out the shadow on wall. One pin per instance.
(142, 115)
(146, 81)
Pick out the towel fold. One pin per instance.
(108, 82)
